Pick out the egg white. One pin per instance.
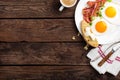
(115, 20)
(94, 22)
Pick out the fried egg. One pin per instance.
(99, 26)
(111, 12)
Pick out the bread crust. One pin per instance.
(84, 25)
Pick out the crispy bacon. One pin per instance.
(91, 3)
(92, 9)
(86, 13)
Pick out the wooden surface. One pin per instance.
(36, 43)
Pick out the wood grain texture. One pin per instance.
(33, 9)
(36, 43)
(38, 30)
(43, 54)
(52, 73)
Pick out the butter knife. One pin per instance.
(114, 49)
(105, 50)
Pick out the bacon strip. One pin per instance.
(92, 9)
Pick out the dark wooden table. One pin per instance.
(36, 43)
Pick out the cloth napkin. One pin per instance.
(112, 65)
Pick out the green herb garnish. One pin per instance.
(92, 18)
(90, 23)
(109, 0)
(101, 8)
(99, 14)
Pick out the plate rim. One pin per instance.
(77, 22)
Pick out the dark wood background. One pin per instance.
(36, 43)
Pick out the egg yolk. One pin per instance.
(110, 12)
(101, 26)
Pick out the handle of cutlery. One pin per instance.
(61, 8)
(105, 58)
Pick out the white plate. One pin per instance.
(104, 39)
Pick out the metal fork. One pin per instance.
(114, 49)
(105, 51)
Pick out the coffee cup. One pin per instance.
(67, 4)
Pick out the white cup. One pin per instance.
(66, 5)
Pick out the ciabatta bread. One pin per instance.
(84, 25)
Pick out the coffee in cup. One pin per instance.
(67, 3)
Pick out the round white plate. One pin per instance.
(114, 34)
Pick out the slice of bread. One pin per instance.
(93, 43)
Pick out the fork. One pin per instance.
(105, 51)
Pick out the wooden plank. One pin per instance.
(38, 30)
(28, 2)
(52, 73)
(33, 9)
(43, 54)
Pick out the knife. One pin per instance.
(105, 50)
(114, 49)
